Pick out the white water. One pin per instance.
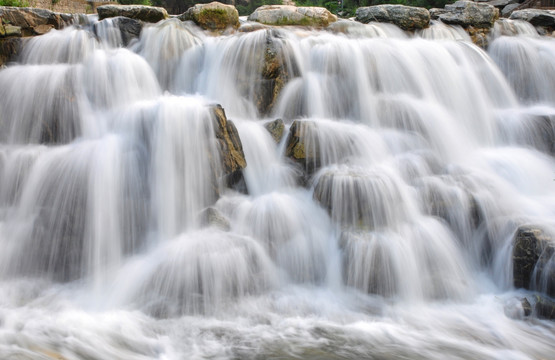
(428, 154)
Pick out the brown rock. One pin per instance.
(275, 128)
(42, 29)
(229, 144)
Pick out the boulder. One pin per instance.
(213, 16)
(31, 21)
(275, 128)
(526, 307)
(469, 13)
(533, 251)
(129, 28)
(435, 13)
(212, 217)
(11, 31)
(406, 17)
(545, 308)
(536, 17)
(302, 146)
(229, 145)
(151, 14)
(9, 49)
(507, 10)
(292, 15)
(500, 4)
(42, 29)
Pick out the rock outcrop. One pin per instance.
(129, 28)
(533, 254)
(276, 129)
(302, 146)
(292, 15)
(406, 17)
(539, 18)
(213, 16)
(469, 13)
(151, 14)
(16, 21)
(229, 145)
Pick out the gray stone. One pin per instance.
(406, 17)
(435, 13)
(292, 15)
(212, 217)
(536, 17)
(533, 251)
(275, 128)
(507, 10)
(469, 13)
(213, 16)
(150, 14)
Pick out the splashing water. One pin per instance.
(380, 224)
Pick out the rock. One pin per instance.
(536, 17)
(231, 150)
(526, 307)
(435, 13)
(129, 28)
(406, 17)
(500, 4)
(545, 308)
(479, 36)
(213, 16)
(12, 31)
(31, 20)
(151, 14)
(533, 251)
(292, 15)
(271, 63)
(212, 217)
(42, 29)
(507, 10)
(9, 49)
(275, 128)
(302, 146)
(469, 13)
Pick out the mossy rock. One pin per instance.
(288, 15)
(214, 16)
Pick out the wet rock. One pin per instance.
(31, 21)
(302, 146)
(292, 15)
(9, 49)
(536, 17)
(231, 150)
(469, 13)
(274, 74)
(533, 251)
(42, 29)
(212, 217)
(435, 13)
(406, 17)
(150, 14)
(479, 36)
(526, 306)
(507, 10)
(129, 28)
(275, 128)
(213, 16)
(544, 308)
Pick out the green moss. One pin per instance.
(213, 18)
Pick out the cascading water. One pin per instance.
(379, 225)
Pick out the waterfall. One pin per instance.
(375, 219)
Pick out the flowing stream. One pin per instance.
(393, 239)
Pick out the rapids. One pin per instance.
(393, 240)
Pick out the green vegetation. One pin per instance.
(135, 2)
(18, 3)
(253, 4)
